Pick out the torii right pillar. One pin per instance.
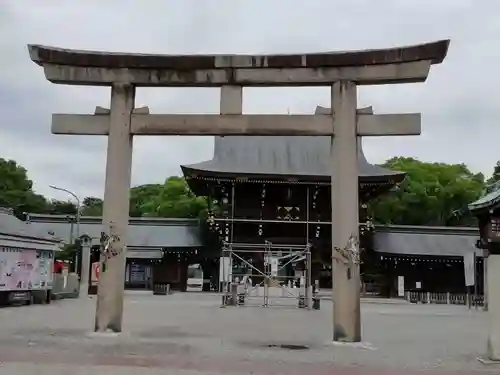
(345, 212)
(346, 281)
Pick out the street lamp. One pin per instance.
(77, 216)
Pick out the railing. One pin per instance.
(445, 298)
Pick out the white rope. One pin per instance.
(107, 241)
(350, 254)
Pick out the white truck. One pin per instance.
(25, 275)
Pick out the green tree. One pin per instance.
(432, 194)
(142, 199)
(496, 174)
(91, 206)
(16, 189)
(171, 199)
(174, 199)
(61, 207)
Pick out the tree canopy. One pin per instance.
(16, 189)
(171, 199)
(431, 194)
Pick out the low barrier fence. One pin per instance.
(445, 298)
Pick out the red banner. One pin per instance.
(94, 278)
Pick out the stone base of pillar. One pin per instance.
(107, 335)
(357, 345)
(489, 362)
(346, 308)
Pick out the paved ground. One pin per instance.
(189, 334)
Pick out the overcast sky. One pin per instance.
(458, 102)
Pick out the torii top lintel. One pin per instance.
(375, 66)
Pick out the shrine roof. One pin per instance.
(426, 241)
(434, 52)
(143, 233)
(16, 233)
(490, 199)
(306, 157)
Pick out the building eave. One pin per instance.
(198, 174)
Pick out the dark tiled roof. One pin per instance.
(18, 234)
(490, 199)
(142, 232)
(11, 225)
(432, 241)
(305, 156)
(148, 235)
(292, 156)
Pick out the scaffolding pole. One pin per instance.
(270, 273)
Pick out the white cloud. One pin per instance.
(458, 102)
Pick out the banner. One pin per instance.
(469, 268)
(94, 275)
(274, 262)
(401, 286)
(225, 269)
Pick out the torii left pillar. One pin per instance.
(109, 311)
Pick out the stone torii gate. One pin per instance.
(342, 71)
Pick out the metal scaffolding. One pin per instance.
(238, 267)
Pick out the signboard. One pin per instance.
(94, 275)
(225, 269)
(401, 286)
(25, 269)
(469, 269)
(137, 273)
(494, 229)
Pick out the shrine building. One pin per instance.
(277, 190)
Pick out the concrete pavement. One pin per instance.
(190, 334)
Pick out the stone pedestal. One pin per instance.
(85, 270)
